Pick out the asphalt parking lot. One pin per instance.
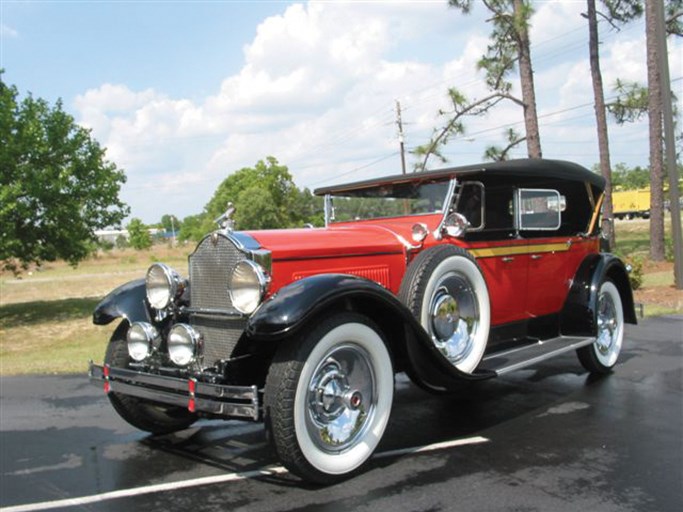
(546, 438)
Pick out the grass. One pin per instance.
(49, 336)
(45, 317)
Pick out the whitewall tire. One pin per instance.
(602, 355)
(329, 397)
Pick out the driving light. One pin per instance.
(141, 339)
(247, 285)
(163, 284)
(183, 342)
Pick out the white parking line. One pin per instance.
(218, 479)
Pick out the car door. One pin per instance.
(501, 254)
(538, 218)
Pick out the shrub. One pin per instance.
(636, 274)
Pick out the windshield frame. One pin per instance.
(445, 208)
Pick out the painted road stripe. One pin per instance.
(218, 479)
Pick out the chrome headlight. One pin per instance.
(141, 339)
(183, 342)
(247, 285)
(163, 284)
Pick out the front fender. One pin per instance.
(293, 306)
(127, 301)
(580, 309)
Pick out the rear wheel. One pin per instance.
(602, 355)
(147, 416)
(328, 398)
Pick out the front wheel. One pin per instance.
(601, 356)
(328, 398)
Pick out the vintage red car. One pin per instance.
(450, 275)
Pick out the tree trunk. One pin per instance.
(601, 120)
(526, 77)
(654, 84)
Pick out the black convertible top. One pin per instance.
(528, 167)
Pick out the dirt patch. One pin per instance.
(665, 296)
(661, 292)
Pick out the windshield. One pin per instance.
(391, 200)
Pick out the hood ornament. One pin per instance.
(226, 221)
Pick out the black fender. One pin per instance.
(298, 303)
(579, 313)
(127, 301)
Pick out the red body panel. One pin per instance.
(381, 249)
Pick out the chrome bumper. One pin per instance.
(214, 399)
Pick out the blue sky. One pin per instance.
(184, 93)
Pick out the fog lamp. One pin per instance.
(141, 338)
(183, 342)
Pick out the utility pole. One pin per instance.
(667, 114)
(399, 123)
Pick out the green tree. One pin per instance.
(635, 100)
(56, 186)
(627, 178)
(498, 154)
(170, 224)
(454, 125)
(510, 49)
(269, 176)
(618, 12)
(308, 209)
(191, 228)
(257, 209)
(138, 235)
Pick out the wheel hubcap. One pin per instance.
(607, 324)
(454, 317)
(341, 398)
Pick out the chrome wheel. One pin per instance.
(342, 398)
(454, 317)
(445, 289)
(610, 323)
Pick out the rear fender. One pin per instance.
(127, 301)
(294, 306)
(580, 309)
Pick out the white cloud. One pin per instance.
(317, 90)
(7, 32)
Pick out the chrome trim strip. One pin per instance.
(447, 204)
(572, 343)
(229, 313)
(244, 240)
(329, 210)
(172, 383)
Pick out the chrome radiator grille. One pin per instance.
(210, 268)
(220, 336)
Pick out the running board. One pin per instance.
(516, 358)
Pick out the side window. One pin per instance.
(539, 209)
(470, 203)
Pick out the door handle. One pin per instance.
(508, 259)
(536, 256)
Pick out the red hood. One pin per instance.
(353, 238)
(333, 241)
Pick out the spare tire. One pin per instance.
(445, 289)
